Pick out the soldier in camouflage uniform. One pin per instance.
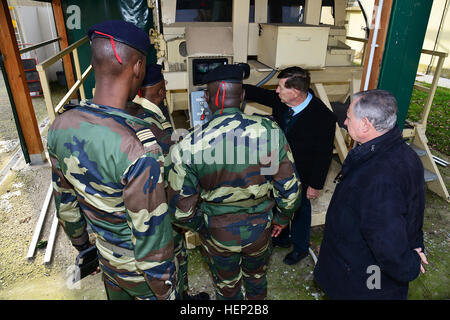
(108, 173)
(150, 107)
(219, 184)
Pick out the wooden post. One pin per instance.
(261, 11)
(381, 40)
(47, 93)
(434, 84)
(19, 86)
(339, 12)
(241, 12)
(339, 141)
(63, 42)
(78, 71)
(313, 8)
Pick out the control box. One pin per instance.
(200, 112)
(198, 67)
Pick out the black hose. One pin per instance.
(263, 81)
(365, 18)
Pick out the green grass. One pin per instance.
(438, 125)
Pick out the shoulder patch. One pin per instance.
(146, 137)
(166, 125)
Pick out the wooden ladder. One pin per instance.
(432, 176)
(419, 141)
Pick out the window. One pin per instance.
(204, 11)
(286, 11)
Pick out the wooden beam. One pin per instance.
(381, 40)
(432, 91)
(241, 12)
(63, 42)
(64, 52)
(339, 140)
(313, 9)
(19, 86)
(339, 12)
(261, 11)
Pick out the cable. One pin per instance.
(367, 29)
(263, 81)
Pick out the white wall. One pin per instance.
(37, 25)
(356, 23)
(443, 43)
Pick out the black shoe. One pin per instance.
(294, 257)
(198, 296)
(281, 244)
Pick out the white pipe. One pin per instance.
(51, 239)
(373, 45)
(313, 256)
(40, 223)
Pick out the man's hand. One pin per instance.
(276, 229)
(312, 193)
(423, 259)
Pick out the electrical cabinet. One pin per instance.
(281, 45)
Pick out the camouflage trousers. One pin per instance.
(237, 248)
(181, 260)
(123, 282)
(121, 278)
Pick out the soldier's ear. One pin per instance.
(139, 68)
(206, 94)
(161, 92)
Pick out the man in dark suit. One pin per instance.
(372, 246)
(309, 127)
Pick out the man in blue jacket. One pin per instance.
(372, 245)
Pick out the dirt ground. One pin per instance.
(22, 192)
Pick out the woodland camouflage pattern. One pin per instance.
(163, 130)
(212, 197)
(105, 176)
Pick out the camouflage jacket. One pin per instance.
(105, 175)
(151, 113)
(230, 165)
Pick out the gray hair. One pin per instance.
(378, 106)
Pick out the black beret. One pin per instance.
(227, 72)
(153, 75)
(121, 31)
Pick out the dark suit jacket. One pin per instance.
(310, 134)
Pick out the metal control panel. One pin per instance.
(200, 112)
(198, 67)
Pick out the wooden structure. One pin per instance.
(419, 140)
(63, 42)
(417, 133)
(374, 54)
(17, 80)
(78, 85)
